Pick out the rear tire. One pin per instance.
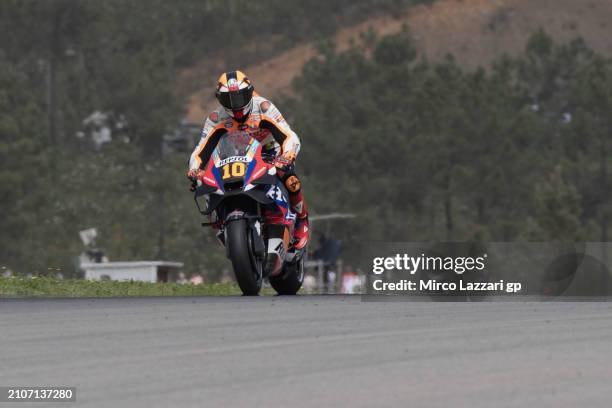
(290, 280)
(246, 267)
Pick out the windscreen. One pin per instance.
(234, 144)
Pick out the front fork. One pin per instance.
(254, 232)
(269, 243)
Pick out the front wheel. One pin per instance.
(246, 266)
(290, 280)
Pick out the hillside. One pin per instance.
(475, 31)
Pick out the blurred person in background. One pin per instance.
(328, 252)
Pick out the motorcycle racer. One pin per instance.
(242, 109)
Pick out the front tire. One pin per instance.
(246, 267)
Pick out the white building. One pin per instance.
(144, 271)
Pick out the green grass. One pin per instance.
(52, 287)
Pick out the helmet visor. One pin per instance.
(236, 100)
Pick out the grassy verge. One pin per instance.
(52, 287)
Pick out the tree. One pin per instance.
(23, 173)
(587, 139)
(557, 211)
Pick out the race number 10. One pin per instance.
(236, 169)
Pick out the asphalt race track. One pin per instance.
(309, 351)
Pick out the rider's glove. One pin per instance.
(192, 175)
(285, 161)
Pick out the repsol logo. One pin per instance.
(233, 159)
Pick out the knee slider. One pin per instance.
(293, 183)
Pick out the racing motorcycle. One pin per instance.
(249, 206)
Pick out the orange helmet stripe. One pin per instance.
(240, 76)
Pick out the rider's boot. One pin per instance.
(298, 205)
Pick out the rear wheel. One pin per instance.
(246, 266)
(290, 280)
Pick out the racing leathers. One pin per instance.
(269, 127)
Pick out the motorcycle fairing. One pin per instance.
(280, 212)
(258, 182)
